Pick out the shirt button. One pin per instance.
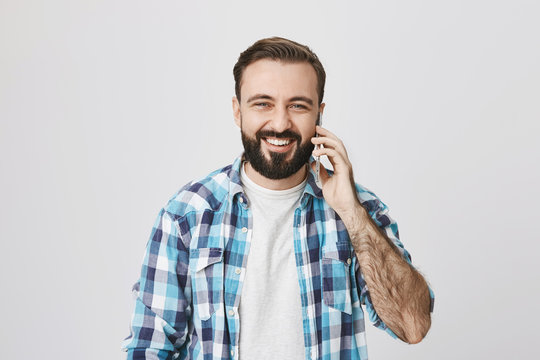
(232, 352)
(231, 312)
(241, 199)
(244, 229)
(349, 261)
(238, 271)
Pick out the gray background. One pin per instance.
(108, 107)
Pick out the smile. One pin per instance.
(279, 145)
(279, 142)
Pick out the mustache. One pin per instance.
(287, 134)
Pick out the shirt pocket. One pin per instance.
(206, 269)
(336, 281)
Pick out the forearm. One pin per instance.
(398, 292)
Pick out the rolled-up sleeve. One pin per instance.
(159, 324)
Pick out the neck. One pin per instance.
(279, 184)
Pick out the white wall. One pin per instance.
(108, 107)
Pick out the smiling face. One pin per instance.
(277, 116)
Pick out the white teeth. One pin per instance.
(278, 142)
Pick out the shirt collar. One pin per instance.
(235, 184)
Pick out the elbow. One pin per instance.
(416, 328)
(417, 319)
(418, 331)
(415, 339)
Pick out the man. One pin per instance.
(256, 261)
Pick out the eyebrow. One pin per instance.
(302, 98)
(259, 97)
(268, 97)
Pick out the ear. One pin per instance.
(236, 112)
(321, 107)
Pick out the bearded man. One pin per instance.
(259, 260)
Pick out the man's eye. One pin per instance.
(261, 104)
(298, 106)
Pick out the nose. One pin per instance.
(281, 120)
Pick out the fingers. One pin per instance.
(336, 158)
(325, 132)
(328, 139)
(329, 143)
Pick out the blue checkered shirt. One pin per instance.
(190, 287)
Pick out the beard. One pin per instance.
(277, 167)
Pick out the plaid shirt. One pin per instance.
(190, 287)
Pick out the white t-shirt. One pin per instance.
(270, 307)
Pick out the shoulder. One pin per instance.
(208, 193)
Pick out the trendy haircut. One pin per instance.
(279, 49)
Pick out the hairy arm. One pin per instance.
(398, 292)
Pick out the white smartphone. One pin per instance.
(318, 163)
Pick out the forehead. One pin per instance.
(279, 79)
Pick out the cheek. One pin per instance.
(308, 132)
(251, 123)
(249, 129)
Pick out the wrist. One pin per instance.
(355, 218)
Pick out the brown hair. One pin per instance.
(279, 49)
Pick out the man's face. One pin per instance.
(277, 116)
